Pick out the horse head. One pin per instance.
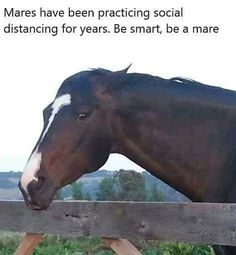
(76, 137)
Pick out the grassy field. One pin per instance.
(53, 245)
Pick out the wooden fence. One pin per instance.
(204, 223)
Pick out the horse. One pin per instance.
(180, 130)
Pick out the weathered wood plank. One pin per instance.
(121, 246)
(186, 222)
(28, 244)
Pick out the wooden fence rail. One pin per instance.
(205, 223)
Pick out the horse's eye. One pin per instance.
(82, 116)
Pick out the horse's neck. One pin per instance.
(174, 141)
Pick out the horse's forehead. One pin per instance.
(61, 101)
(57, 105)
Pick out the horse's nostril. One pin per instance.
(40, 183)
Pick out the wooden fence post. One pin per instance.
(120, 246)
(28, 244)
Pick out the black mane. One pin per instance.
(179, 86)
(100, 71)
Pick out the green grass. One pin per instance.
(52, 245)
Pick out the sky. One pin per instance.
(33, 67)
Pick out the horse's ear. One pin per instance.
(106, 80)
(125, 70)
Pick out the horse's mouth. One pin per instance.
(38, 201)
(38, 208)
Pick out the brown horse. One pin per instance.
(179, 130)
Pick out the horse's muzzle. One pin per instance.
(39, 194)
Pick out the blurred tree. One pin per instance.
(87, 196)
(130, 185)
(58, 195)
(77, 191)
(5, 183)
(106, 189)
(154, 194)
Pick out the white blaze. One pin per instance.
(34, 162)
(56, 107)
(31, 168)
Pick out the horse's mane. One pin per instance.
(176, 81)
(100, 71)
(179, 86)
